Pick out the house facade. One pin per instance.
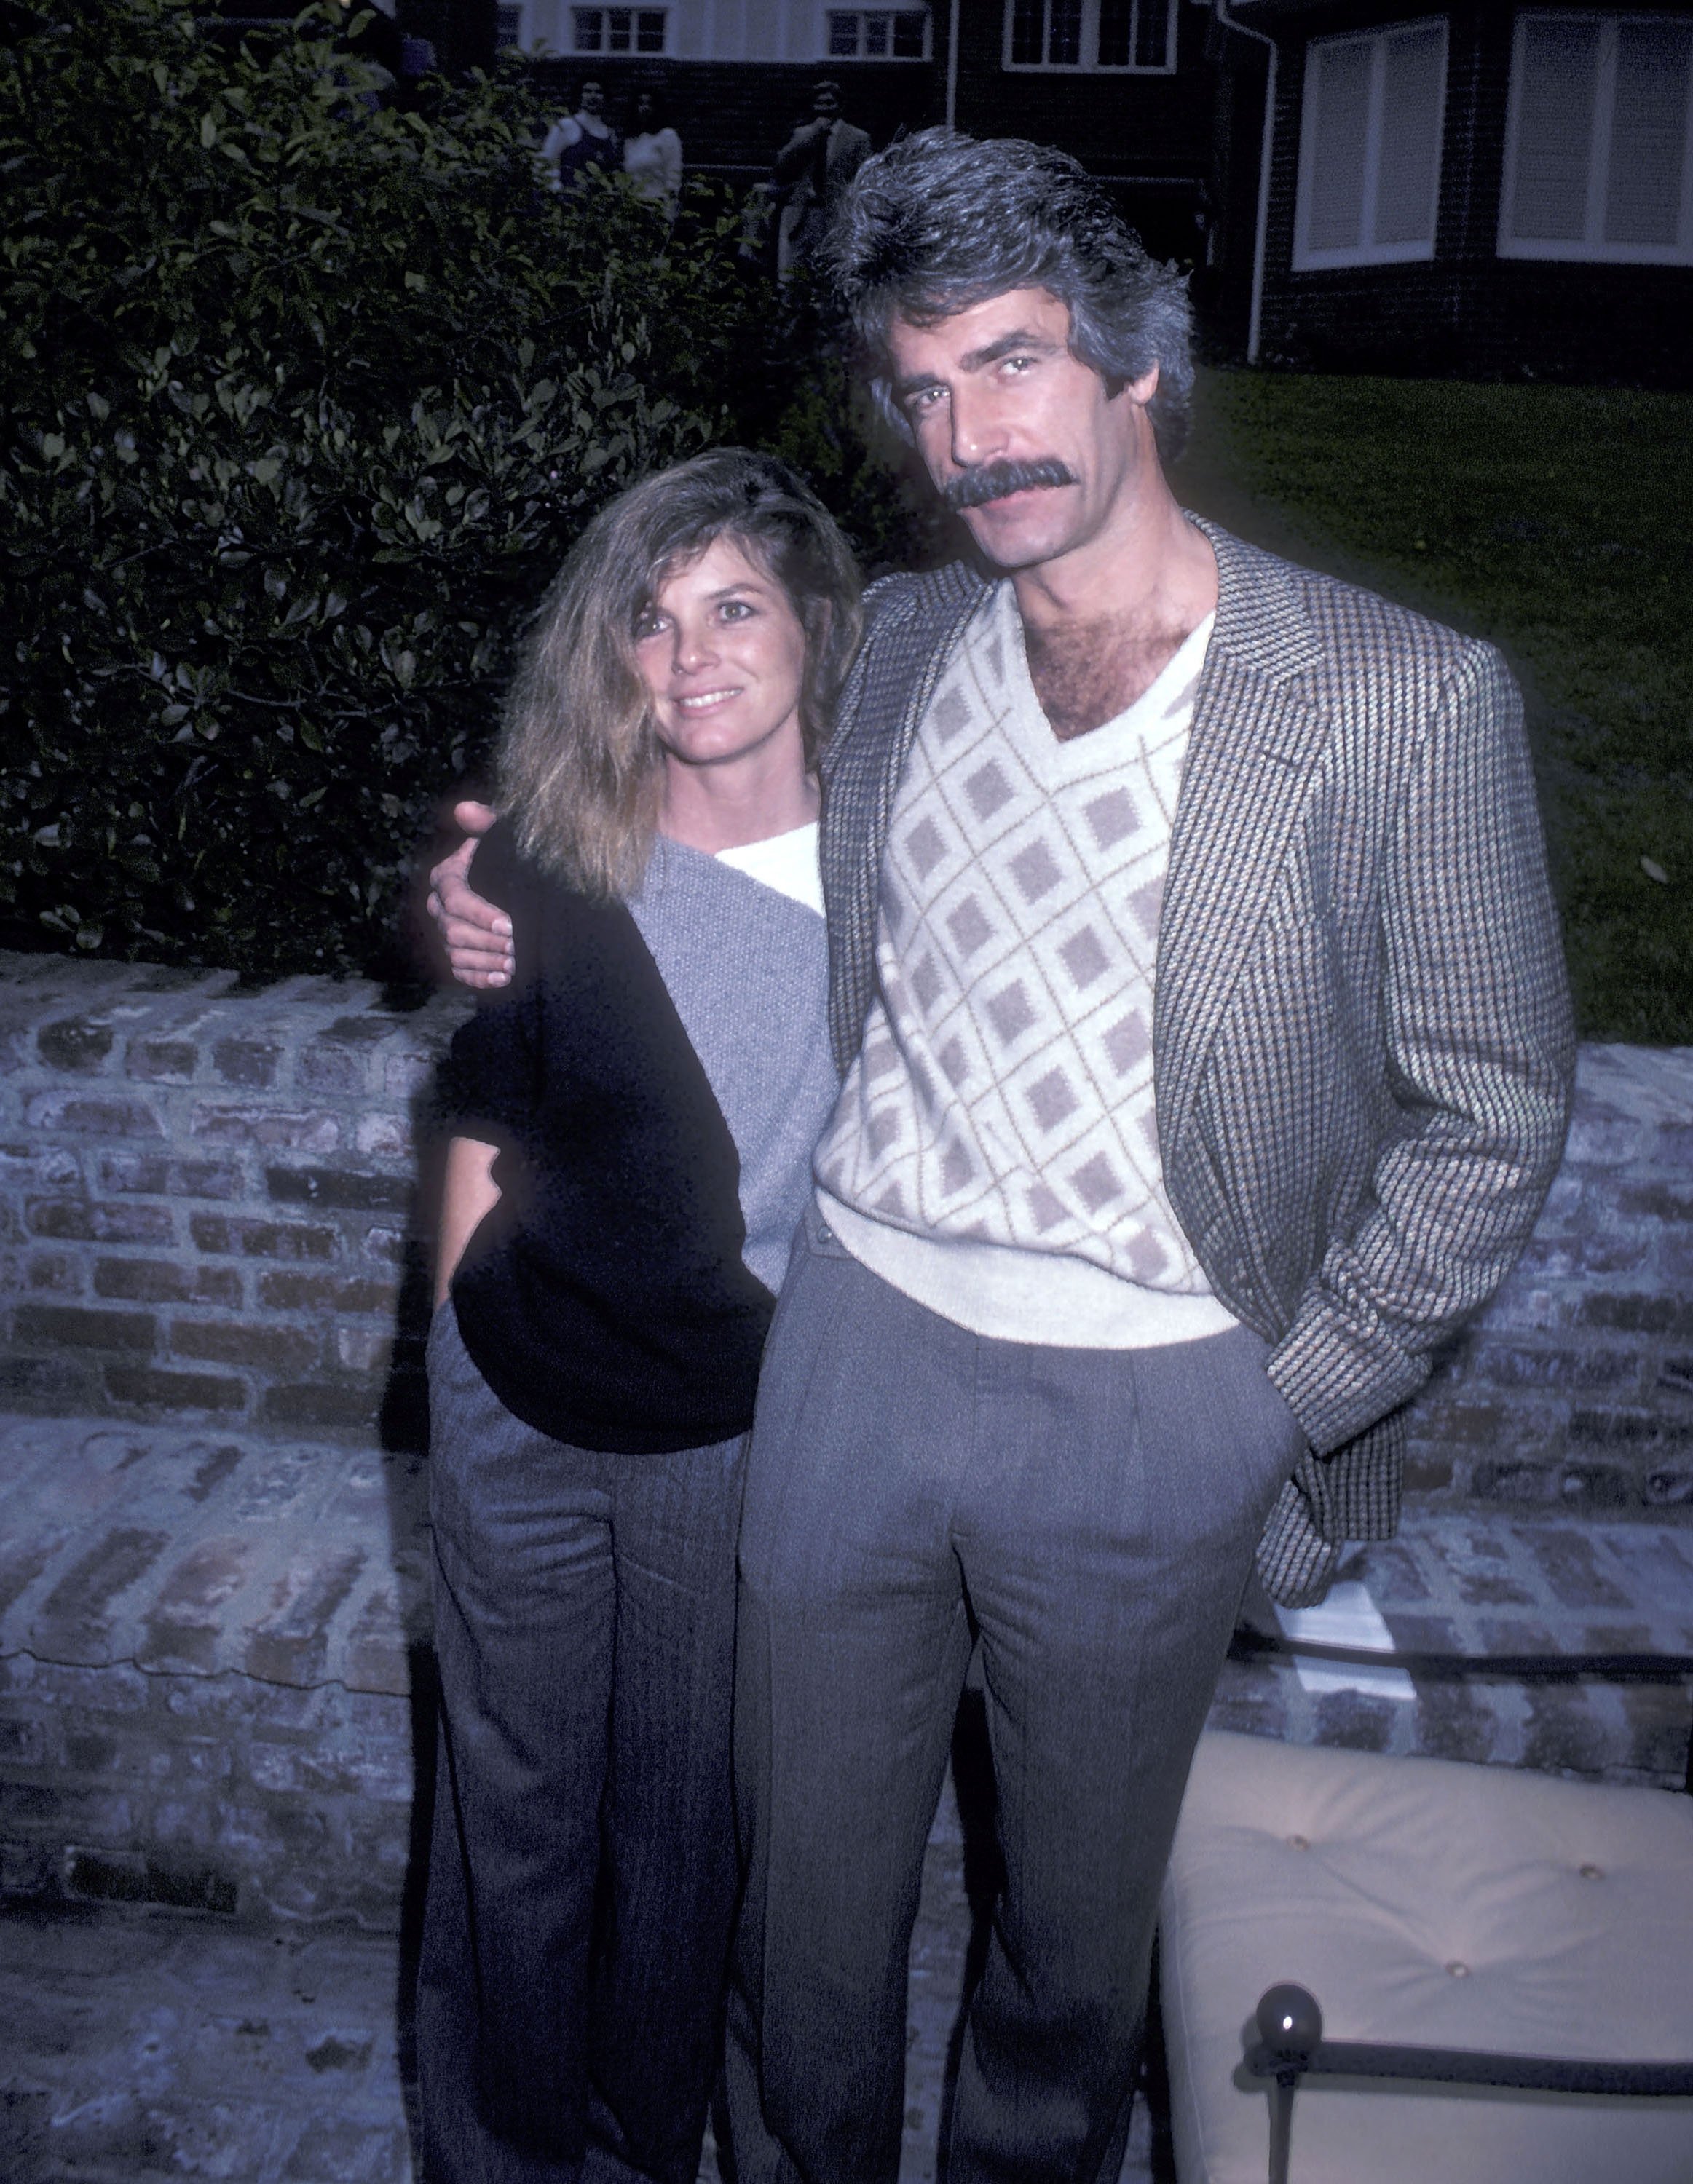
(1124, 84)
(1501, 188)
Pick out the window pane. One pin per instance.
(589, 27)
(1028, 31)
(1152, 35)
(876, 36)
(908, 37)
(1340, 121)
(1064, 40)
(650, 30)
(619, 31)
(1411, 134)
(1648, 133)
(1554, 131)
(508, 25)
(1116, 32)
(843, 34)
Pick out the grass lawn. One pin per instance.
(1558, 521)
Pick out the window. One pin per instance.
(619, 29)
(878, 34)
(1091, 34)
(1370, 148)
(1597, 159)
(508, 22)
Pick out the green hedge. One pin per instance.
(305, 400)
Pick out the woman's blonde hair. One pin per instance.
(580, 761)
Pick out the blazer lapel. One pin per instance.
(1255, 741)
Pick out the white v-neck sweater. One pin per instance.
(994, 1152)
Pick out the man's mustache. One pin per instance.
(993, 480)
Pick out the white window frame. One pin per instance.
(1366, 252)
(606, 51)
(1594, 248)
(1090, 63)
(890, 8)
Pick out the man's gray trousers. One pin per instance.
(1089, 1517)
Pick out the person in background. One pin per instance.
(584, 139)
(812, 170)
(652, 154)
(631, 1128)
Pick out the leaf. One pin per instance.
(1654, 871)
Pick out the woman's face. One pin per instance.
(722, 655)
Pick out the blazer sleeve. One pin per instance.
(1480, 1062)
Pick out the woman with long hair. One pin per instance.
(631, 1127)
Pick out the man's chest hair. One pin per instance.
(1086, 673)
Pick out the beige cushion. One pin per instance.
(1447, 1905)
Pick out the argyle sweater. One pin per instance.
(1020, 910)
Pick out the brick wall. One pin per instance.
(209, 1199)
(211, 1214)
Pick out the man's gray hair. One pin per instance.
(941, 221)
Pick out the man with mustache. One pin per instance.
(1205, 1051)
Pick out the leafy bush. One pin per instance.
(305, 400)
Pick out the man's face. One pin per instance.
(1017, 435)
(593, 98)
(826, 105)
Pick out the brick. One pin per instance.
(1562, 1258)
(344, 1190)
(1644, 1429)
(380, 1135)
(92, 1117)
(130, 1877)
(263, 1240)
(1355, 1720)
(82, 1328)
(72, 1618)
(228, 1342)
(304, 1292)
(152, 1174)
(1519, 1366)
(96, 1221)
(53, 1383)
(290, 1646)
(1656, 1201)
(1514, 1478)
(55, 1272)
(76, 1044)
(363, 1348)
(22, 1744)
(388, 1245)
(332, 1069)
(251, 1122)
(251, 1063)
(156, 1390)
(1669, 1486)
(162, 1060)
(1569, 1560)
(323, 1404)
(182, 1626)
(164, 1281)
(54, 1166)
(1640, 1310)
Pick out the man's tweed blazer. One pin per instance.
(1362, 1043)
